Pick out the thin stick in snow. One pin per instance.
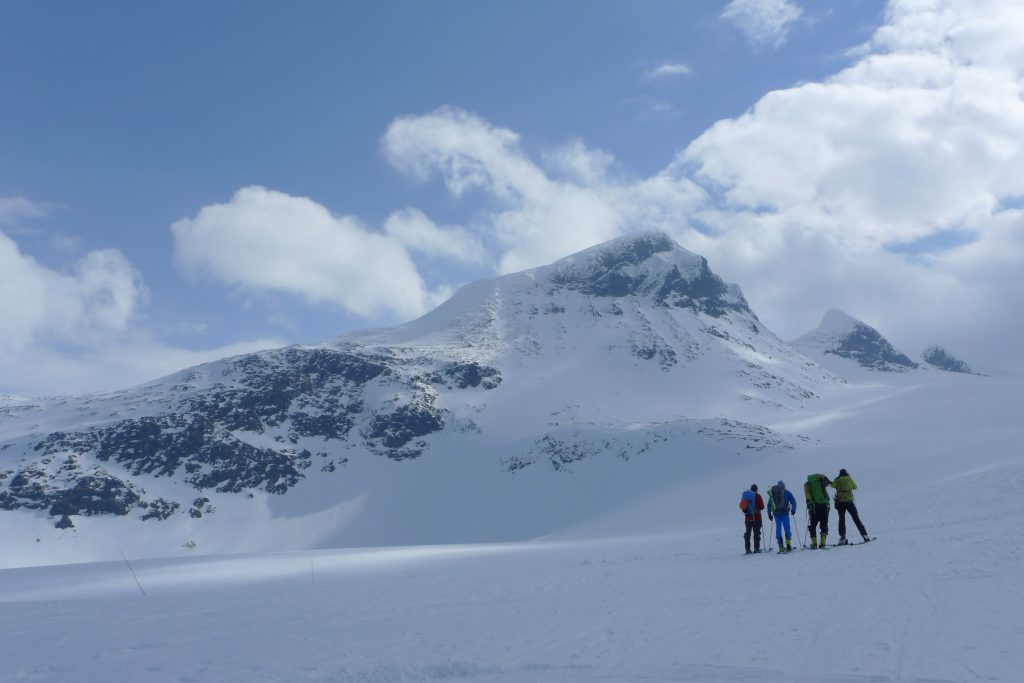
(134, 576)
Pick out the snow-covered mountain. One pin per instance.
(941, 359)
(502, 412)
(841, 342)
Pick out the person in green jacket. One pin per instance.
(844, 486)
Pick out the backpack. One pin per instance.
(748, 503)
(814, 489)
(779, 504)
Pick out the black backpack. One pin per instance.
(779, 499)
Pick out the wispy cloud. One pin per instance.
(667, 70)
(15, 212)
(763, 22)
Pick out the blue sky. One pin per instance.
(442, 142)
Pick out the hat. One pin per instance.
(753, 487)
(843, 473)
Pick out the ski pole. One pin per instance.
(798, 537)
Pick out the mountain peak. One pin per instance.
(835, 320)
(631, 249)
(938, 357)
(840, 334)
(646, 264)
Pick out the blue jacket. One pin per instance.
(789, 499)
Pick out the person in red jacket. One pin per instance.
(751, 504)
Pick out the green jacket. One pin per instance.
(844, 487)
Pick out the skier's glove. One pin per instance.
(770, 517)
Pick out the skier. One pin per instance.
(844, 486)
(780, 504)
(816, 498)
(751, 504)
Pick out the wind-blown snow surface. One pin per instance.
(655, 591)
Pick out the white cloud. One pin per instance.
(16, 211)
(96, 299)
(763, 22)
(263, 240)
(923, 135)
(542, 215)
(79, 331)
(15, 208)
(667, 70)
(412, 228)
(117, 363)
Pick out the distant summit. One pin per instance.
(651, 265)
(939, 358)
(843, 336)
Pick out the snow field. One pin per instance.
(936, 599)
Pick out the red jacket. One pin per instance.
(760, 506)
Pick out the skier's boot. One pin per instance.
(822, 545)
(781, 549)
(814, 541)
(789, 545)
(843, 541)
(866, 538)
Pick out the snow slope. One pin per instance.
(656, 590)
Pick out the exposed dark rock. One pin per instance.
(938, 357)
(396, 429)
(200, 437)
(561, 452)
(869, 349)
(466, 375)
(199, 506)
(604, 275)
(161, 509)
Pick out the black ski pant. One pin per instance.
(818, 514)
(753, 527)
(843, 508)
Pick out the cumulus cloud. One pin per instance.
(543, 213)
(263, 240)
(763, 22)
(411, 228)
(922, 136)
(78, 330)
(97, 298)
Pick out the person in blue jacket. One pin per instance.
(781, 504)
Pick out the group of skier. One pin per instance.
(782, 504)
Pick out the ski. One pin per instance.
(840, 545)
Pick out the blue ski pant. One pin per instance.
(782, 521)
